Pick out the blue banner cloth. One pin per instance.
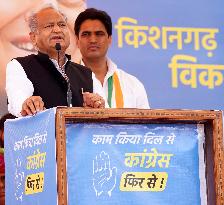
(135, 164)
(30, 160)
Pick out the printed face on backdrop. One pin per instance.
(93, 40)
(14, 32)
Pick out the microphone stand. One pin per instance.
(69, 92)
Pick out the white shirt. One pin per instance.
(134, 94)
(19, 87)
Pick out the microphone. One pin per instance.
(69, 92)
(58, 47)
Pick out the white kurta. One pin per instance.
(134, 93)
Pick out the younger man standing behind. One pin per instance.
(93, 30)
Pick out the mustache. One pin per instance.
(57, 37)
(93, 46)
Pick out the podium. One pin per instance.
(76, 156)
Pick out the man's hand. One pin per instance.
(93, 100)
(32, 105)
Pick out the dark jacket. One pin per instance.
(50, 85)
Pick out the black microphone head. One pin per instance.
(58, 46)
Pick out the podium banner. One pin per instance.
(135, 164)
(30, 160)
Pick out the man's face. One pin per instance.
(51, 29)
(93, 40)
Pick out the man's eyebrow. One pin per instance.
(99, 31)
(61, 21)
(87, 31)
(52, 22)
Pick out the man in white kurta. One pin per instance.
(93, 30)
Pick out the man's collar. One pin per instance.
(44, 56)
(55, 62)
(110, 65)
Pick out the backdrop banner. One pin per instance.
(174, 47)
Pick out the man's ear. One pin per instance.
(77, 40)
(110, 40)
(33, 38)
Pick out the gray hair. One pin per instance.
(32, 19)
